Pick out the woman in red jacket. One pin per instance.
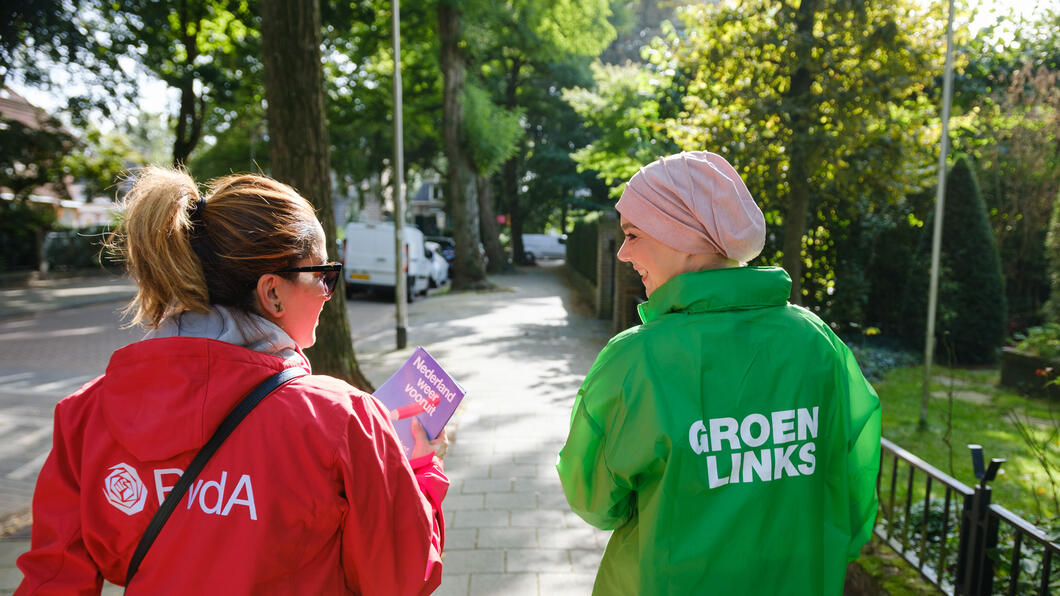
(310, 494)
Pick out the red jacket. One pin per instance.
(311, 494)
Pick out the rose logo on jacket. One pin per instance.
(124, 489)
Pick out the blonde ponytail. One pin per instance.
(187, 255)
(154, 238)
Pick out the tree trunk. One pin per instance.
(510, 171)
(298, 152)
(800, 105)
(468, 271)
(510, 186)
(488, 226)
(189, 123)
(192, 108)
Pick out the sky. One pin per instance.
(156, 98)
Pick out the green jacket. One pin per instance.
(731, 442)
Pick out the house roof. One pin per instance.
(15, 107)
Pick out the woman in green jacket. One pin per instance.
(731, 441)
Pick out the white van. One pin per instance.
(544, 246)
(368, 257)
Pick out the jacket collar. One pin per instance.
(234, 326)
(735, 288)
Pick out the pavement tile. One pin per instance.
(544, 471)
(10, 577)
(602, 538)
(536, 456)
(463, 502)
(504, 583)
(552, 500)
(513, 471)
(507, 538)
(486, 485)
(511, 501)
(581, 538)
(455, 462)
(566, 584)
(537, 485)
(473, 561)
(468, 473)
(485, 518)
(453, 584)
(482, 447)
(461, 538)
(586, 560)
(538, 518)
(571, 520)
(539, 559)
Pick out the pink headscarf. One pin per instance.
(695, 202)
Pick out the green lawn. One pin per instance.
(1023, 486)
(985, 416)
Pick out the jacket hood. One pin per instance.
(734, 288)
(162, 397)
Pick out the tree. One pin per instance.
(60, 43)
(360, 113)
(461, 185)
(812, 101)
(491, 134)
(971, 319)
(298, 151)
(518, 46)
(1052, 252)
(822, 106)
(31, 154)
(207, 49)
(626, 115)
(1007, 106)
(103, 157)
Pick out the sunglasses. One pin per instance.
(331, 271)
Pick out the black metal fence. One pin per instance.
(953, 535)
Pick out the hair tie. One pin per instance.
(199, 206)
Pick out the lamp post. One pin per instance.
(401, 288)
(936, 238)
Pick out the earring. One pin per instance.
(278, 307)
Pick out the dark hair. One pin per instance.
(186, 256)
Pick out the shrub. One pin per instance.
(1052, 255)
(21, 225)
(971, 313)
(78, 249)
(1042, 341)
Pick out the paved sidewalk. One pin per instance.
(521, 353)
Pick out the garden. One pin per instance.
(967, 406)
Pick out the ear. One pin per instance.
(269, 299)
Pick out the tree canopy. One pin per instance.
(829, 109)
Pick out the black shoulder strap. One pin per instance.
(227, 426)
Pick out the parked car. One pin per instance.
(368, 260)
(544, 246)
(438, 265)
(447, 246)
(449, 249)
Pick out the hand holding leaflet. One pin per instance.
(421, 445)
(420, 390)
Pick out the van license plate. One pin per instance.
(360, 276)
